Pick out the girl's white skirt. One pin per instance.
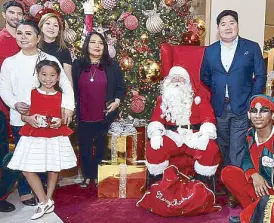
(39, 154)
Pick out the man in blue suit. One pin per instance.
(234, 70)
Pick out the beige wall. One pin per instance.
(269, 20)
(251, 18)
(2, 22)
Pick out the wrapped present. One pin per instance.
(125, 143)
(121, 181)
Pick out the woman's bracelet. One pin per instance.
(117, 100)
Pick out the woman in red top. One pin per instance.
(99, 87)
(44, 145)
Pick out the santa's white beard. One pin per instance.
(176, 104)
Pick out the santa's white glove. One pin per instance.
(88, 7)
(177, 138)
(201, 141)
(189, 139)
(156, 142)
(209, 129)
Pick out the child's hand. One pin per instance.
(56, 123)
(32, 120)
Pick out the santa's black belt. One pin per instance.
(195, 127)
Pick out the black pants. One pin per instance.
(4, 143)
(91, 137)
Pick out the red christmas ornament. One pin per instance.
(170, 2)
(67, 6)
(30, 2)
(34, 9)
(49, 10)
(131, 22)
(137, 102)
(109, 4)
(190, 38)
(126, 63)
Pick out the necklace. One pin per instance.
(93, 74)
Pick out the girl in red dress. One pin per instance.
(44, 145)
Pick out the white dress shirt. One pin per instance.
(227, 55)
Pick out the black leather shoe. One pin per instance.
(6, 206)
(209, 181)
(151, 179)
(234, 219)
(30, 202)
(232, 201)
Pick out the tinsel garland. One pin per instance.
(269, 44)
(268, 210)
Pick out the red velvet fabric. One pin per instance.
(177, 195)
(246, 214)
(234, 179)
(74, 204)
(189, 57)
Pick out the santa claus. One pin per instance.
(182, 130)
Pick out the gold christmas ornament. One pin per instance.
(56, 7)
(201, 26)
(70, 35)
(149, 71)
(72, 21)
(126, 63)
(144, 37)
(78, 45)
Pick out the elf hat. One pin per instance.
(264, 100)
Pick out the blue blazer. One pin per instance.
(248, 60)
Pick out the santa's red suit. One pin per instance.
(189, 146)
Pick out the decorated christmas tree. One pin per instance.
(134, 30)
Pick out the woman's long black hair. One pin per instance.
(105, 59)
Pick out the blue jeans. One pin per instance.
(23, 186)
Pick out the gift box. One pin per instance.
(126, 148)
(121, 181)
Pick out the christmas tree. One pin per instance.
(134, 30)
(269, 44)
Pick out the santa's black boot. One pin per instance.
(209, 181)
(151, 179)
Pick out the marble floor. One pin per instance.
(23, 213)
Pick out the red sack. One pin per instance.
(177, 195)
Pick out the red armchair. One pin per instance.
(189, 57)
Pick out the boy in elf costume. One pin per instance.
(255, 179)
